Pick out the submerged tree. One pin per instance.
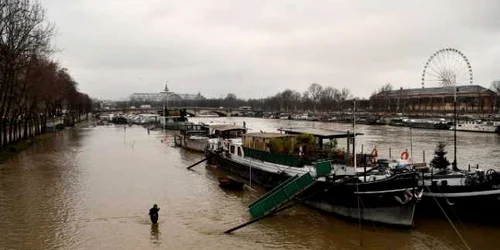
(439, 160)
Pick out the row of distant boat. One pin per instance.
(345, 183)
(470, 125)
(467, 125)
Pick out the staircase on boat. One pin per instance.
(286, 191)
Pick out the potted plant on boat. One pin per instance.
(440, 161)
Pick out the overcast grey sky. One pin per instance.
(256, 48)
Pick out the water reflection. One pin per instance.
(155, 234)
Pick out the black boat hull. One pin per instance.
(463, 195)
(389, 201)
(472, 205)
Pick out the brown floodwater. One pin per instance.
(91, 188)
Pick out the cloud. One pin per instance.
(257, 48)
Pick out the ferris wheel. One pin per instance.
(447, 67)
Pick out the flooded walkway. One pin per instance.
(91, 188)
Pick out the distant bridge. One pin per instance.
(192, 111)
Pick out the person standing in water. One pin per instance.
(153, 213)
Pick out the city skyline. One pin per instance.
(256, 49)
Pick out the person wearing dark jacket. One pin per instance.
(153, 213)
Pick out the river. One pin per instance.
(91, 188)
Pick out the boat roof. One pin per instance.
(267, 135)
(227, 127)
(318, 132)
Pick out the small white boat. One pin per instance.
(478, 126)
(195, 136)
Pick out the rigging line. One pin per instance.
(453, 210)
(449, 220)
(363, 205)
(359, 211)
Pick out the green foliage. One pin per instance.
(439, 160)
(332, 144)
(276, 145)
(282, 145)
(306, 139)
(307, 142)
(288, 145)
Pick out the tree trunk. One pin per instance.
(25, 132)
(11, 136)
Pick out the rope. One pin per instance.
(359, 214)
(453, 210)
(373, 223)
(449, 220)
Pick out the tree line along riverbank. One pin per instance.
(35, 89)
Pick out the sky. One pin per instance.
(257, 48)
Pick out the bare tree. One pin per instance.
(315, 92)
(386, 87)
(327, 98)
(31, 86)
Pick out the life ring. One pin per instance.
(404, 155)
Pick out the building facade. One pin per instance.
(470, 99)
(162, 97)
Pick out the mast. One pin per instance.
(455, 128)
(354, 134)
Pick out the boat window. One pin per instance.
(239, 151)
(232, 149)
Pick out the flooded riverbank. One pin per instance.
(91, 188)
